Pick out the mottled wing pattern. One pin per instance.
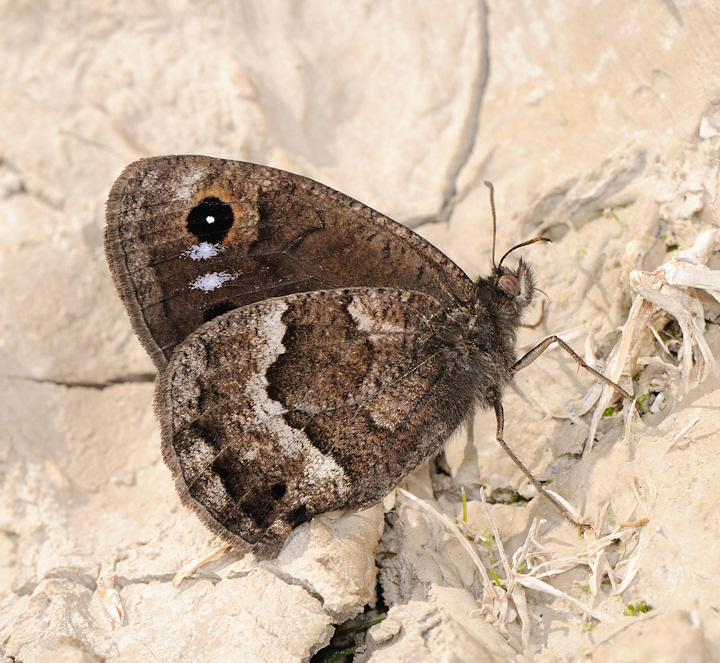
(334, 399)
(191, 237)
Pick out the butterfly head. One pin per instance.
(515, 288)
(506, 293)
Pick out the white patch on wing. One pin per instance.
(150, 180)
(215, 496)
(267, 347)
(267, 413)
(366, 319)
(263, 408)
(251, 454)
(328, 471)
(322, 476)
(196, 458)
(211, 281)
(185, 388)
(185, 188)
(202, 251)
(184, 193)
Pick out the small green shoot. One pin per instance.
(642, 402)
(671, 247)
(608, 412)
(635, 610)
(361, 627)
(485, 537)
(495, 578)
(517, 498)
(621, 223)
(342, 654)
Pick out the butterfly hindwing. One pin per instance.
(274, 412)
(192, 237)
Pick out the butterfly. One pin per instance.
(311, 352)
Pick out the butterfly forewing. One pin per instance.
(192, 237)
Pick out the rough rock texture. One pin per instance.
(598, 125)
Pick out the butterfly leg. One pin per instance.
(500, 418)
(529, 357)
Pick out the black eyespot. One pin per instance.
(509, 284)
(210, 220)
(278, 490)
(218, 309)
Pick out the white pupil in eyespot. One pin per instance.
(209, 219)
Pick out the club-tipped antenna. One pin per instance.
(489, 185)
(519, 246)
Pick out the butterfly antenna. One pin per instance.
(518, 246)
(492, 207)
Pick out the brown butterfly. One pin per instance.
(312, 352)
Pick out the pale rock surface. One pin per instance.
(427, 631)
(599, 126)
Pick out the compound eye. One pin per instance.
(509, 284)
